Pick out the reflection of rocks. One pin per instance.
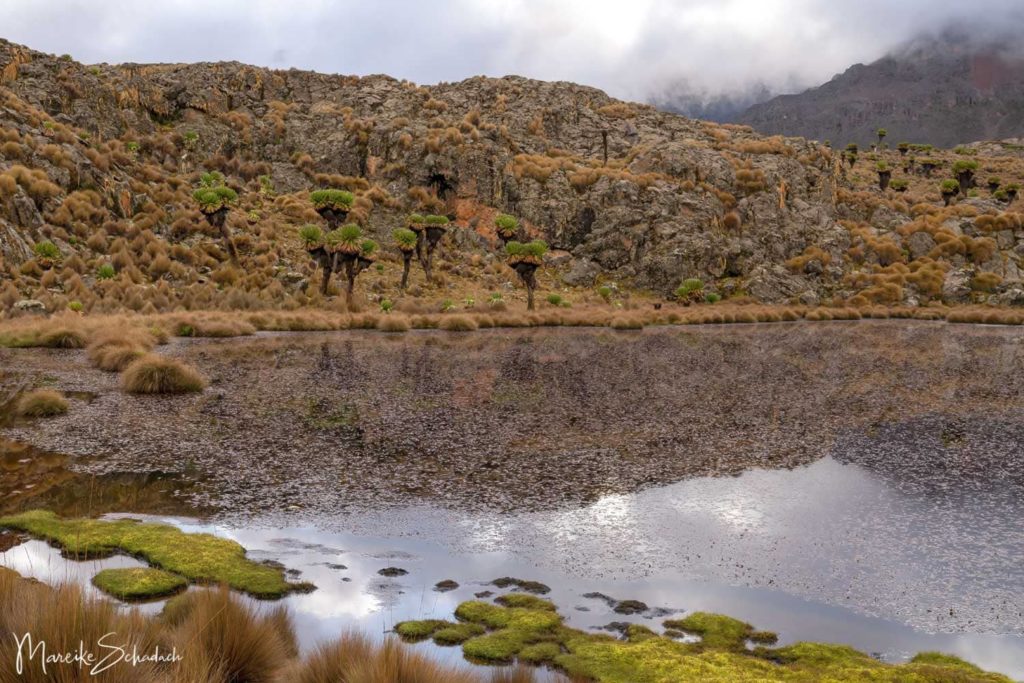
(630, 607)
(392, 571)
(528, 586)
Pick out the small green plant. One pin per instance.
(132, 146)
(689, 286)
(434, 220)
(266, 185)
(495, 298)
(1001, 195)
(949, 189)
(75, 306)
(105, 272)
(899, 185)
(191, 137)
(712, 298)
(386, 306)
(416, 220)
(554, 299)
(367, 248)
(469, 302)
(380, 267)
(213, 197)
(605, 292)
(311, 234)
(506, 225)
(447, 305)
(47, 250)
(965, 151)
(405, 239)
(881, 132)
(340, 200)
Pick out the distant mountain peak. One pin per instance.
(957, 85)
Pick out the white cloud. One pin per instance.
(632, 48)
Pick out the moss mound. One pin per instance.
(528, 630)
(138, 583)
(197, 557)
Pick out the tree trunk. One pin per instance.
(227, 240)
(350, 285)
(529, 296)
(326, 281)
(406, 263)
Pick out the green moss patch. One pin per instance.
(138, 583)
(197, 557)
(525, 600)
(443, 632)
(719, 631)
(537, 635)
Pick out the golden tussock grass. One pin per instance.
(41, 403)
(458, 323)
(394, 323)
(154, 374)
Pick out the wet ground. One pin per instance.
(856, 482)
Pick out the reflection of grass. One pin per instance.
(136, 583)
(318, 416)
(197, 557)
(531, 632)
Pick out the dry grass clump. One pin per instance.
(230, 640)
(41, 403)
(354, 658)
(62, 337)
(622, 322)
(394, 323)
(63, 618)
(457, 323)
(114, 351)
(221, 326)
(155, 374)
(986, 316)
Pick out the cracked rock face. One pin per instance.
(630, 194)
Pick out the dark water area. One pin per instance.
(857, 483)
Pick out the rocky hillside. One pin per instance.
(101, 161)
(940, 91)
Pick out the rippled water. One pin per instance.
(830, 552)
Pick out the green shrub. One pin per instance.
(105, 271)
(605, 292)
(555, 299)
(211, 179)
(415, 219)
(331, 198)
(386, 306)
(712, 298)
(496, 298)
(506, 224)
(435, 220)
(950, 186)
(367, 247)
(405, 239)
(963, 165)
(75, 306)
(447, 305)
(311, 234)
(899, 185)
(46, 249)
(213, 198)
(349, 233)
(689, 285)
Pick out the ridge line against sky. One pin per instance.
(639, 50)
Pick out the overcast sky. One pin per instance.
(634, 49)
